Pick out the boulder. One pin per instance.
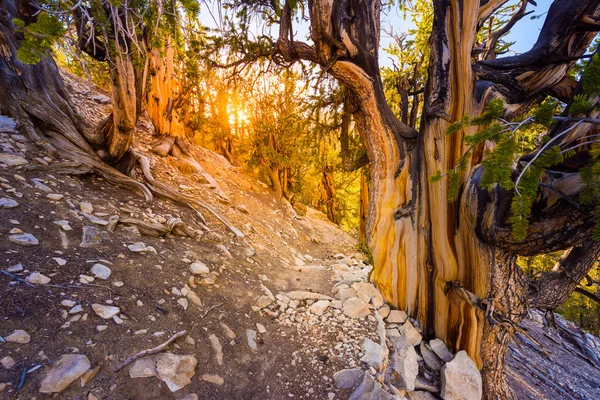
(461, 379)
(404, 368)
(432, 361)
(66, 370)
(375, 355)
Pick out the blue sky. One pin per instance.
(524, 33)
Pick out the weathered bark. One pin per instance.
(419, 241)
(364, 206)
(35, 96)
(164, 99)
(328, 197)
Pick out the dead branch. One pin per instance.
(148, 352)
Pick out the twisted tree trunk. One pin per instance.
(35, 96)
(452, 265)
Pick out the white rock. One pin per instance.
(355, 308)
(216, 345)
(100, 271)
(7, 362)
(251, 336)
(66, 370)
(199, 268)
(432, 361)
(396, 317)
(137, 247)
(261, 328)
(375, 355)
(5, 202)
(55, 196)
(263, 301)
(439, 348)
(12, 160)
(37, 278)
(405, 368)
(105, 312)
(68, 303)
(143, 368)
(76, 309)
(86, 207)
(175, 370)
(18, 336)
(345, 292)
(24, 239)
(348, 378)
(60, 261)
(15, 268)
(183, 303)
(319, 307)
(213, 378)
(461, 379)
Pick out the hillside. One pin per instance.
(78, 247)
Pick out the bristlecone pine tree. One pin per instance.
(444, 245)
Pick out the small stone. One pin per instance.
(86, 279)
(355, 308)
(369, 389)
(117, 320)
(105, 312)
(38, 184)
(86, 207)
(396, 317)
(91, 236)
(319, 307)
(7, 362)
(251, 336)
(76, 309)
(66, 370)
(199, 268)
(15, 268)
(88, 376)
(117, 284)
(64, 225)
(263, 301)
(439, 348)
(37, 278)
(60, 261)
(24, 239)
(384, 311)
(54, 196)
(348, 378)
(175, 370)
(68, 303)
(432, 361)
(345, 292)
(143, 368)
(213, 378)
(301, 295)
(261, 328)
(216, 345)
(12, 160)
(137, 247)
(461, 379)
(420, 395)
(101, 328)
(101, 271)
(183, 303)
(5, 202)
(228, 332)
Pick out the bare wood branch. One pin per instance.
(148, 352)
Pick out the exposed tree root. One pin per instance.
(166, 191)
(173, 226)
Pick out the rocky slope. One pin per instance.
(91, 275)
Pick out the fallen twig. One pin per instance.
(16, 278)
(211, 308)
(22, 381)
(148, 352)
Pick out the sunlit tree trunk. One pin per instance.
(450, 265)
